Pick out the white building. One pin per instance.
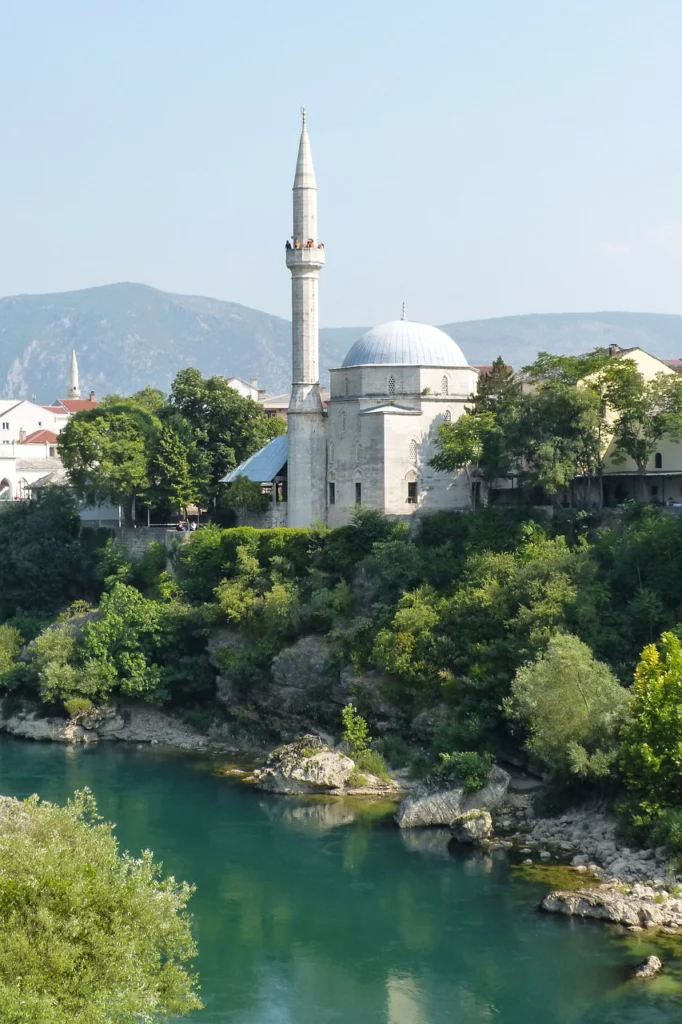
(372, 443)
(28, 439)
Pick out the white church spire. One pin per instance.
(306, 482)
(74, 389)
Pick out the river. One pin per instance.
(308, 912)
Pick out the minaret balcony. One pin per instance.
(306, 255)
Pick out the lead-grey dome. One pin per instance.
(405, 343)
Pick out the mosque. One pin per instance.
(372, 443)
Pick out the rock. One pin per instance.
(472, 826)
(648, 968)
(527, 861)
(580, 869)
(306, 766)
(309, 765)
(545, 854)
(429, 806)
(618, 867)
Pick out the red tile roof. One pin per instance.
(58, 410)
(77, 404)
(488, 367)
(40, 437)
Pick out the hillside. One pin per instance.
(130, 335)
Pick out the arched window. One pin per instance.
(444, 385)
(413, 452)
(391, 385)
(23, 489)
(448, 416)
(658, 460)
(346, 386)
(5, 490)
(331, 453)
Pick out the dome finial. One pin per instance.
(403, 315)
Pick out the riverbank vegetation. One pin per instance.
(511, 633)
(88, 933)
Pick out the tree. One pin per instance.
(644, 412)
(499, 388)
(228, 427)
(572, 708)
(569, 370)
(556, 436)
(462, 444)
(106, 452)
(172, 477)
(651, 752)
(88, 934)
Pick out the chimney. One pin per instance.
(254, 383)
(22, 434)
(614, 350)
(92, 396)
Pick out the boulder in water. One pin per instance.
(429, 806)
(648, 968)
(472, 826)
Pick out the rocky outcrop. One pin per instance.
(133, 723)
(585, 836)
(637, 906)
(429, 806)
(472, 826)
(310, 765)
(648, 968)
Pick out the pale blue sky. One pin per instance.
(475, 158)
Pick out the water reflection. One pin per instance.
(309, 912)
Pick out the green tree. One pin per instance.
(228, 427)
(549, 369)
(106, 453)
(172, 480)
(89, 934)
(499, 388)
(572, 708)
(651, 752)
(462, 444)
(644, 412)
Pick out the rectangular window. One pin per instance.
(332, 494)
(5, 425)
(412, 493)
(358, 494)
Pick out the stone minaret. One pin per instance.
(306, 469)
(74, 389)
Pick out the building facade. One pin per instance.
(370, 441)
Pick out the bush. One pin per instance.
(10, 646)
(572, 708)
(88, 933)
(356, 734)
(464, 765)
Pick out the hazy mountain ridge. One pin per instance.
(130, 335)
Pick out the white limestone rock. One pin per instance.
(427, 806)
(472, 826)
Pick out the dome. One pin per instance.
(405, 343)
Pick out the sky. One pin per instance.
(473, 159)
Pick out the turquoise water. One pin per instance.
(307, 913)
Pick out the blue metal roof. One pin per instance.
(405, 343)
(264, 465)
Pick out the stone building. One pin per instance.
(371, 441)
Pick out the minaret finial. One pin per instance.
(303, 115)
(403, 315)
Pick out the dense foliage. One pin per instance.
(165, 453)
(89, 934)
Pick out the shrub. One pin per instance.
(466, 765)
(572, 708)
(356, 734)
(10, 646)
(88, 933)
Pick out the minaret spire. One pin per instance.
(305, 422)
(74, 389)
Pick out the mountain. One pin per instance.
(130, 335)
